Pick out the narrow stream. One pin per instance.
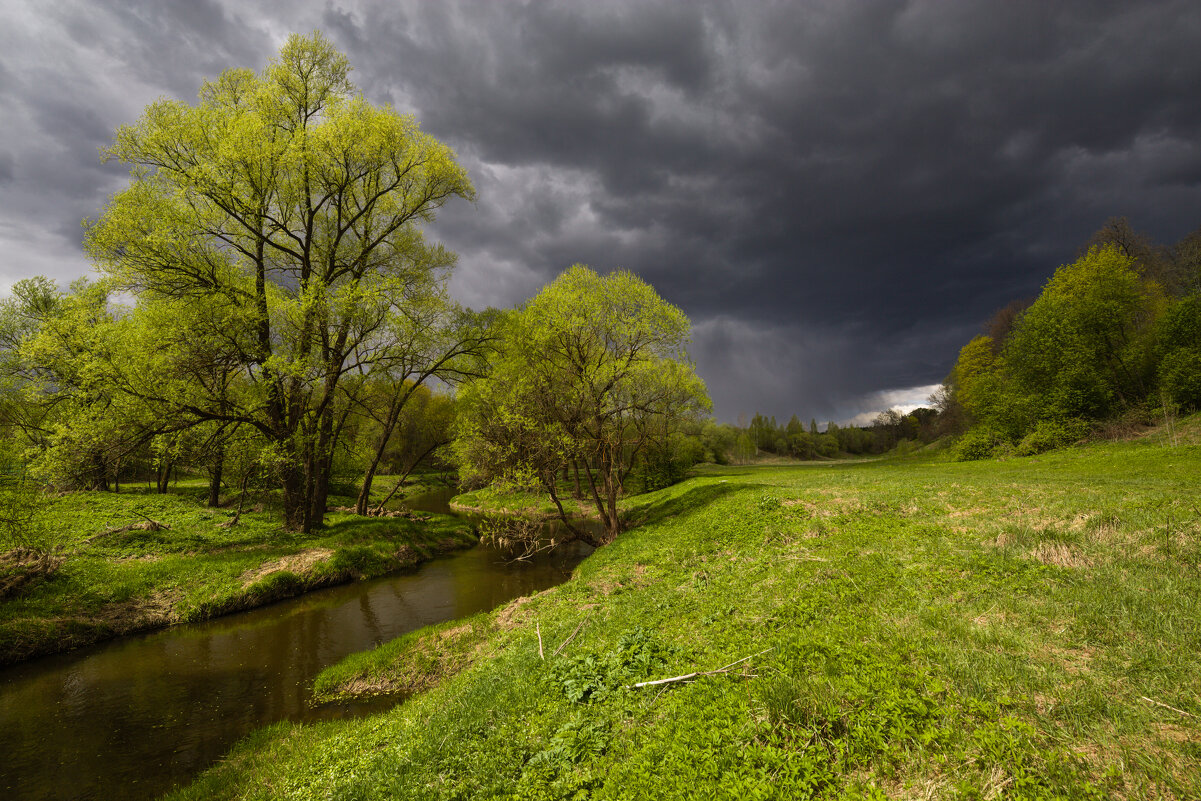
(134, 717)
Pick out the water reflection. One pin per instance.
(132, 718)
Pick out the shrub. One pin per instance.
(978, 443)
(1180, 377)
(30, 547)
(1050, 434)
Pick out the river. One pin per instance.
(134, 717)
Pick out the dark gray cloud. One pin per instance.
(836, 192)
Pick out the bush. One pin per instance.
(978, 443)
(1180, 377)
(30, 547)
(1048, 435)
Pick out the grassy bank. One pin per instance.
(1016, 629)
(196, 568)
(532, 504)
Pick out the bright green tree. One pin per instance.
(593, 371)
(1179, 348)
(280, 218)
(1085, 348)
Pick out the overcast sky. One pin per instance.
(837, 193)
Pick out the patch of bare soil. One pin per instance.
(514, 613)
(298, 563)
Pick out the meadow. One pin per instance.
(908, 628)
(138, 560)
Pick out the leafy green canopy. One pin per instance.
(271, 233)
(593, 372)
(1099, 340)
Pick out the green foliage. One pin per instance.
(23, 520)
(271, 235)
(595, 677)
(1050, 434)
(576, 741)
(975, 378)
(1100, 341)
(30, 545)
(592, 373)
(979, 442)
(1180, 377)
(664, 462)
(1082, 349)
(1179, 339)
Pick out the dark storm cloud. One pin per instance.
(866, 179)
(70, 73)
(836, 192)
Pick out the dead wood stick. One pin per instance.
(685, 677)
(108, 533)
(154, 526)
(1166, 706)
(540, 654)
(569, 638)
(699, 673)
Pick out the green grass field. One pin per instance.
(489, 500)
(1026, 628)
(195, 569)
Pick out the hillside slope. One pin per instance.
(921, 629)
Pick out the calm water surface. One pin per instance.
(132, 718)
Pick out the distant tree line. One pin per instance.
(1113, 338)
(762, 437)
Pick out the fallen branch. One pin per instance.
(1166, 706)
(149, 525)
(569, 638)
(540, 654)
(698, 674)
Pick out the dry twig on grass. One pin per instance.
(149, 525)
(571, 637)
(698, 674)
(1166, 706)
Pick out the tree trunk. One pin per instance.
(395, 404)
(612, 523)
(295, 506)
(322, 465)
(99, 479)
(360, 504)
(319, 502)
(380, 507)
(163, 479)
(578, 533)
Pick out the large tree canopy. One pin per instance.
(593, 371)
(272, 232)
